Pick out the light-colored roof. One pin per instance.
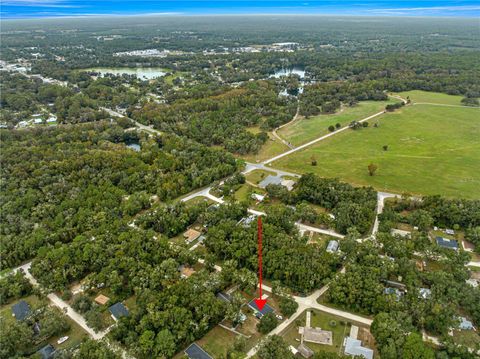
(354, 332)
(102, 299)
(332, 246)
(400, 232)
(465, 324)
(354, 347)
(425, 293)
(191, 234)
(258, 197)
(317, 335)
(288, 183)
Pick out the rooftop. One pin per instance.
(118, 310)
(354, 347)
(305, 351)
(21, 310)
(47, 351)
(447, 243)
(266, 309)
(316, 335)
(194, 351)
(191, 234)
(102, 299)
(332, 246)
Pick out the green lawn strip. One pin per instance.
(431, 150)
(431, 97)
(308, 129)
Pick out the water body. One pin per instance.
(291, 71)
(134, 146)
(143, 73)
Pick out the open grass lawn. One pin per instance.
(270, 149)
(306, 130)
(76, 335)
(431, 97)
(432, 150)
(469, 338)
(199, 200)
(217, 341)
(323, 320)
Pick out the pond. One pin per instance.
(134, 146)
(143, 73)
(291, 71)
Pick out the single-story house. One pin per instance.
(450, 232)
(21, 310)
(190, 235)
(37, 121)
(101, 299)
(258, 197)
(316, 335)
(270, 180)
(465, 324)
(332, 246)
(118, 310)
(194, 351)
(305, 351)
(47, 352)
(354, 347)
(447, 243)
(260, 313)
(424, 293)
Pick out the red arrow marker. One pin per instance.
(260, 302)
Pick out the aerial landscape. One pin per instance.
(239, 179)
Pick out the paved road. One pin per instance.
(305, 145)
(141, 126)
(261, 166)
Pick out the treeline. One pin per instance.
(14, 286)
(351, 206)
(62, 182)
(285, 252)
(222, 119)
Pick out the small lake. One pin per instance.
(134, 146)
(292, 71)
(143, 73)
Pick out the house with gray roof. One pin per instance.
(21, 310)
(354, 347)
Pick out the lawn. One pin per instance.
(217, 341)
(339, 329)
(431, 150)
(32, 300)
(305, 130)
(469, 338)
(431, 97)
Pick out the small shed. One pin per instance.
(258, 197)
(332, 246)
(101, 299)
(21, 310)
(305, 351)
(118, 310)
(194, 351)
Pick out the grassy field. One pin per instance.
(431, 97)
(217, 341)
(306, 130)
(431, 150)
(271, 148)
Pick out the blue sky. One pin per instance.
(59, 8)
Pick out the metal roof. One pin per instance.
(265, 310)
(118, 310)
(21, 310)
(194, 351)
